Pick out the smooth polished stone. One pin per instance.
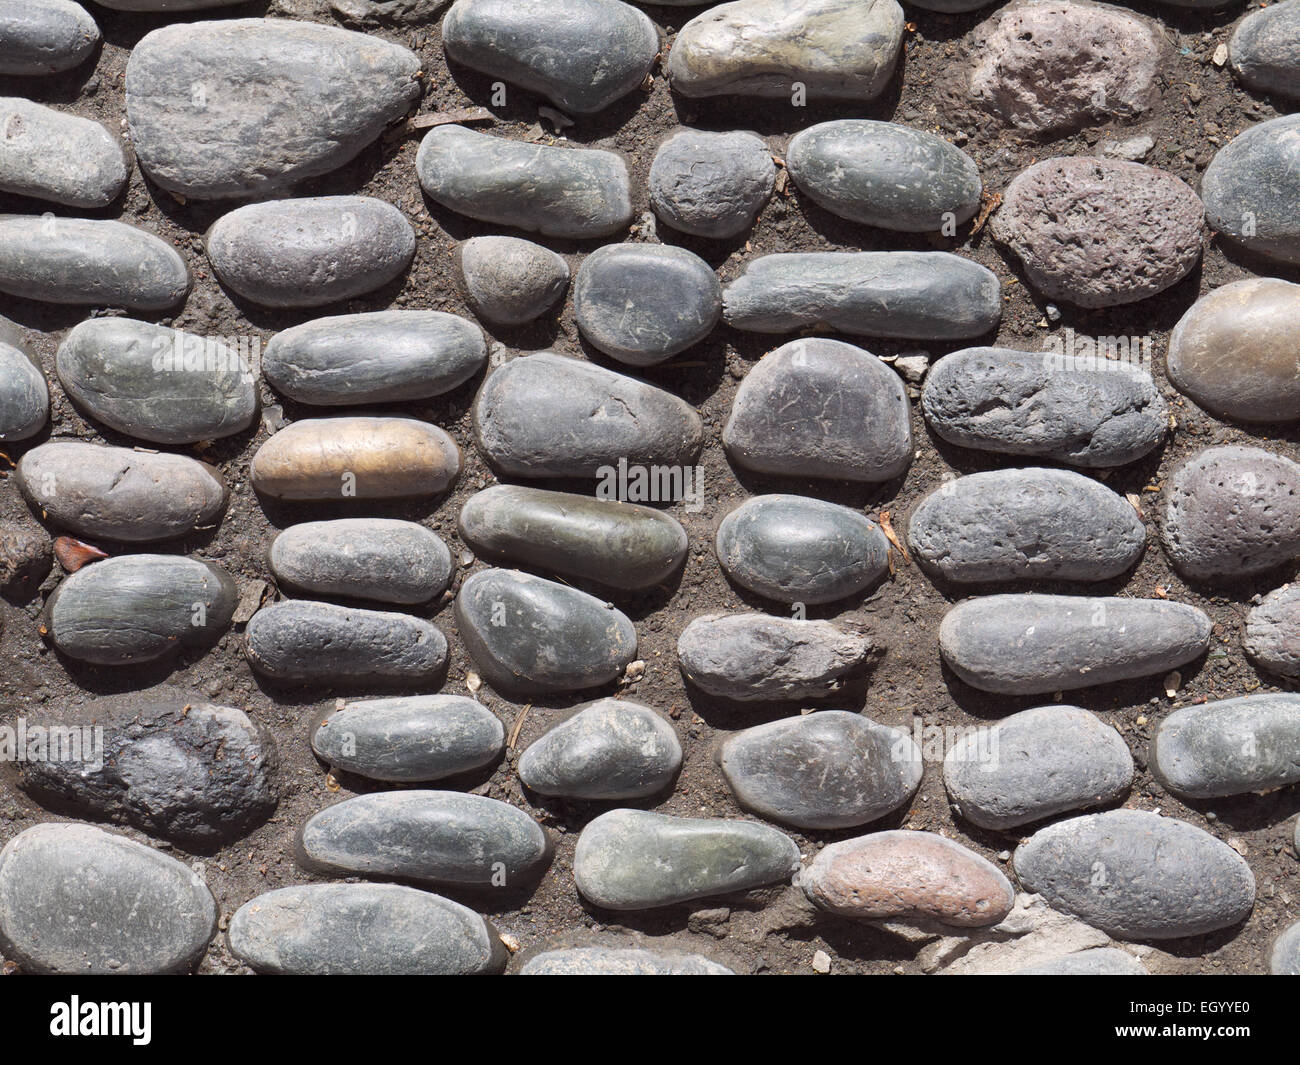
(1250, 190)
(510, 281)
(55, 156)
(44, 36)
(711, 184)
(24, 395)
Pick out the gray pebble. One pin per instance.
(611, 961)
(55, 156)
(1100, 961)
(1284, 959)
(1137, 875)
(387, 12)
(510, 281)
(711, 184)
(44, 36)
(1250, 189)
(1035, 764)
(381, 559)
(24, 395)
(25, 558)
(1272, 636)
(1032, 644)
(1265, 49)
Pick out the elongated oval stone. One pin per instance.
(55, 156)
(526, 633)
(1099, 961)
(156, 383)
(547, 415)
(795, 549)
(509, 280)
(436, 837)
(1229, 747)
(381, 357)
(44, 36)
(24, 395)
(644, 303)
(637, 860)
(359, 457)
(1025, 525)
(914, 295)
(362, 930)
(1232, 511)
(908, 875)
(136, 608)
(711, 184)
(307, 253)
(409, 738)
(831, 769)
(1035, 764)
(204, 124)
(1091, 412)
(121, 494)
(753, 656)
(1250, 189)
(582, 55)
(558, 192)
(89, 262)
(380, 559)
(620, 545)
(609, 749)
(142, 912)
(611, 961)
(837, 49)
(1265, 50)
(885, 175)
(323, 643)
(1031, 644)
(1164, 878)
(1272, 636)
(821, 408)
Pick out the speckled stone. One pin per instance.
(44, 36)
(1265, 49)
(711, 184)
(510, 281)
(24, 395)
(1250, 189)
(1272, 636)
(55, 156)
(25, 558)
(612, 961)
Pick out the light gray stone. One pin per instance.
(44, 36)
(387, 12)
(612, 961)
(1250, 189)
(711, 184)
(1265, 49)
(511, 281)
(1284, 959)
(24, 395)
(1272, 636)
(55, 156)
(1100, 961)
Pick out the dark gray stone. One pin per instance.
(387, 12)
(1251, 186)
(1265, 49)
(409, 738)
(119, 493)
(1284, 959)
(156, 383)
(1137, 875)
(609, 749)
(1090, 412)
(711, 184)
(24, 395)
(821, 408)
(612, 961)
(362, 930)
(885, 175)
(435, 837)
(511, 281)
(582, 55)
(1100, 961)
(638, 860)
(324, 643)
(1035, 764)
(831, 769)
(91, 263)
(25, 557)
(1028, 524)
(251, 107)
(619, 545)
(799, 550)
(1272, 636)
(173, 765)
(529, 634)
(44, 36)
(644, 303)
(913, 295)
(1033, 644)
(55, 156)
(547, 415)
(136, 608)
(756, 657)
(381, 357)
(141, 912)
(558, 192)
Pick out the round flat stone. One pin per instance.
(1100, 961)
(711, 184)
(1035, 764)
(119, 493)
(821, 408)
(795, 549)
(323, 643)
(529, 634)
(1284, 959)
(638, 860)
(831, 769)
(885, 175)
(325, 459)
(142, 912)
(619, 545)
(609, 749)
(612, 961)
(410, 738)
(1025, 524)
(380, 357)
(1137, 875)
(44, 36)
(54, 156)
(1090, 412)
(1272, 636)
(582, 55)
(1033, 644)
(362, 930)
(510, 281)
(1250, 189)
(908, 875)
(1265, 49)
(644, 303)
(24, 395)
(380, 559)
(435, 837)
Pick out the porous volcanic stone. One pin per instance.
(711, 184)
(55, 156)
